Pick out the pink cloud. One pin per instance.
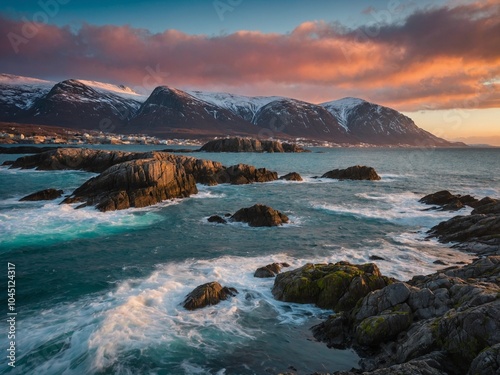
(438, 58)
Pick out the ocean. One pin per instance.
(101, 293)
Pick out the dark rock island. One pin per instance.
(356, 172)
(249, 145)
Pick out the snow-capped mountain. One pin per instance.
(376, 124)
(73, 104)
(243, 106)
(301, 120)
(170, 112)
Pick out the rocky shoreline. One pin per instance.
(444, 323)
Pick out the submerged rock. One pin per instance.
(336, 286)
(43, 195)
(356, 172)
(216, 219)
(293, 176)
(260, 215)
(208, 294)
(137, 183)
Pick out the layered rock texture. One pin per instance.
(134, 179)
(478, 232)
(136, 183)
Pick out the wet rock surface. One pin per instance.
(43, 195)
(208, 294)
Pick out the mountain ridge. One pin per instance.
(171, 112)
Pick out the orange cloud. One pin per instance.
(439, 58)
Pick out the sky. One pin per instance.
(436, 61)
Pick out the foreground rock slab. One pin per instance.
(260, 215)
(356, 172)
(137, 183)
(43, 195)
(208, 294)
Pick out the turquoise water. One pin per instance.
(101, 292)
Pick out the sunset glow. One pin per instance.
(435, 58)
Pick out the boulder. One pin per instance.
(43, 195)
(241, 174)
(270, 270)
(293, 176)
(137, 183)
(356, 172)
(217, 219)
(336, 286)
(207, 294)
(260, 216)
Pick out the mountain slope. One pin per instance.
(376, 124)
(73, 104)
(169, 112)
(173, 112)
(300, 119)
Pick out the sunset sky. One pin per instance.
(436, 61)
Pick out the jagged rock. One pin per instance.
(487, 362)
(492, 207)
(293, 176)
(137, 183)
(241, 174)
(43, 195)
(248, 145)
(208, 294)
(260, 216)
(356, 172)
(478, 228)
(448, 201)
(336, 286)
(270, 270)
(216, 219)
(455, 311)
(204, 171)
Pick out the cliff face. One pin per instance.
(136, 183)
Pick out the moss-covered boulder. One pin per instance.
(384, 327)
(336, 286)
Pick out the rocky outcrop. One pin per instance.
(260, 215)
(238, 144)
(356, 172)
(137, 183)
(447, 201)
(336, 286)
(270, 270)
(207, 294)
(242, 174)
(204, 171)
(43, 195)
(450, 317)
(478, 232)
(293, 176)
(26, 149)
